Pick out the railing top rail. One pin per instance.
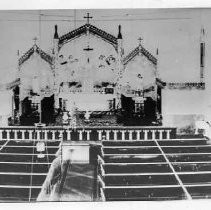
(87, 128)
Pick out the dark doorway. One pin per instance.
(16, 97)
(30, 115)
(47, 105)
(149, 110)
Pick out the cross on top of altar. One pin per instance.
(88, 17)
(88, 48)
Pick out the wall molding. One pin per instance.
(185, 85)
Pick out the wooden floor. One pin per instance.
(22, 173)
(173, 169)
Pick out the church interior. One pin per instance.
(90, 120)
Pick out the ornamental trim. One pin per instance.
(83, 30)
(185, 85)
(138, 50)
(39, 51)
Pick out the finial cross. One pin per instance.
(35, 40)
(88, 17)
(140, 39)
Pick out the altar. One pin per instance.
(87, 101)
(88, 75)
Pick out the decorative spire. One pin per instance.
(202, 31)
(56, 36)
(202, 54)
(157, 64)
(202, 34)
(119, 33)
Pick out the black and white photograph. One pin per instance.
(101, 105)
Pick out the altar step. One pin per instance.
(172, 169)
(22, 173)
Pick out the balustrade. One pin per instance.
(89, 133)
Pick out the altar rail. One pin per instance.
(87, 134)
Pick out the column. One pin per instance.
(115, 134)
(123, 134)
(107, 134)
(99, 134)
(130, 135)
(80, 135)
(153, 134)
(0, 134)
(168, 134)
(146, 134)
(88, 134)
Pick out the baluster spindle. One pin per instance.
(88, 134)
(123, 134)
(80, 135)
(168, 134)
(100, 134)
(107, 134)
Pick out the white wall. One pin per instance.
(181, 108)
(183, 102)
(5, 107)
